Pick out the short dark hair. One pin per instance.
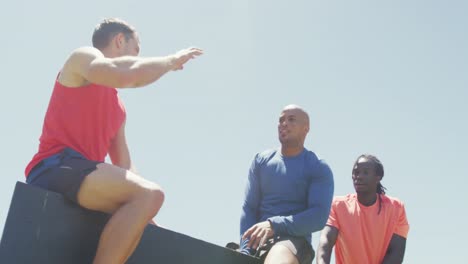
(108, 28)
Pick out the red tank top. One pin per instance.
(85, 119)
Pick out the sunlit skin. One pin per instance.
(117, 188)
(365, 181)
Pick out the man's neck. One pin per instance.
(291, 151)
(367, 199)
(108, 52)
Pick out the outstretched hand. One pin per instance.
(182, 56)
(259, 234)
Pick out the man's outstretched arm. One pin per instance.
(88, 64)
(328, 238)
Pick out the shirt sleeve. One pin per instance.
(402, 226)
(315, 216)
(333, 218)
(250, 206)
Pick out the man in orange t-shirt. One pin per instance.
(367, 227)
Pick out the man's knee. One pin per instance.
(280, 254)
(156, 197)
(152, 197)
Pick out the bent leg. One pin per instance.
(279, 254)
(132, 200)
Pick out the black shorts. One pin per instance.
(62, 173)
(299, 246)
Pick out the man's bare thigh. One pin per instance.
(108, 187)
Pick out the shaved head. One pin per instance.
(300, 112)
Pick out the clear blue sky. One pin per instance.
(381, 77)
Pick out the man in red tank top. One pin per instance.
(85, 122)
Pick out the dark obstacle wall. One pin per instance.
(43, 227)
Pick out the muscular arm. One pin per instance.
(327, 241)
(319, 202)
(396, 250)
(88, 64)
(118, 151)
(250, 206)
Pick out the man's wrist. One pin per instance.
(271, 226)
(170, 62)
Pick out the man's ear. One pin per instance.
(119, 40)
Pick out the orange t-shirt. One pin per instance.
(363, 233)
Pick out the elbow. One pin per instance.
(323, 219)
(319, 225)
(246, 207)
(126, 79)
(320, 220)
(246, 211)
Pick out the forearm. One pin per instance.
(248, 219)
(139, 72)
(301, 224)
(393, 257)
(324, 254)
(396, 250)
(327, 241)
(119, 152)
(121, 161)
(126, 164)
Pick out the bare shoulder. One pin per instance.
(85, 52)
(72, 74)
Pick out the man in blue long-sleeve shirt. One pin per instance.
(288, 196)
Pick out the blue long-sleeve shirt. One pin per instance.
(293, 193)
